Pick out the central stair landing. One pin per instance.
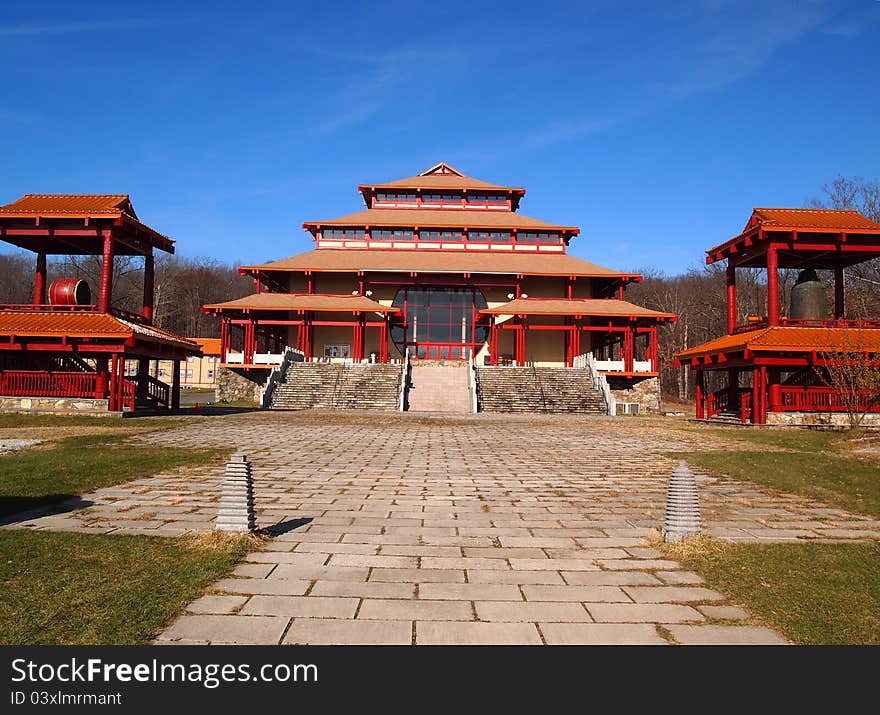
(439, 388)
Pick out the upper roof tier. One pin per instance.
(438, 218)
(819, 238)
(71, 224)
(420, 261)
(440, 176)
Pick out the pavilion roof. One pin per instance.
(424, 261)
(611, 308)
(320, 302)
(790, 339)
(75, 324)
(441, 176)
(34, 208)
(839, 223)
(441, 218)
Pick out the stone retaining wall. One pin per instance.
(818, 419)
(235, 385)
(59, 405)
(646, 393)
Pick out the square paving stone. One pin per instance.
(601, 634)
(463, 633)
(306, 606)
(643, 613)
(521, 611)
(725, 635)
(318, 631)
(249, 630)
(216, 604)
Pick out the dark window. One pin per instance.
(431, 198)
(451, 198)
(440, 322)
(497, 199)
(476, 199)
(478, 236)
(391, 234)
(440, 236)
(343, 233)
(532, 237)
(499, 237)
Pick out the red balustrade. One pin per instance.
(36, 383)
(813, 398)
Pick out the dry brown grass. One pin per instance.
(217, 540)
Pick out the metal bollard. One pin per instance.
(682, 505)
(236, 511)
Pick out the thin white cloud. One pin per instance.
(70, 28)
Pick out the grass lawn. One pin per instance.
(79, 464)
(814, 593)
(68, 588)
(816, 464)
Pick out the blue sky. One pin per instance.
(655, 127)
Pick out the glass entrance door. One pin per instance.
(440, 323)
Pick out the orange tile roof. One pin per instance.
(31, 323)
(208, 346)
(576, 306)
(819, 219)
(83, 206)
(440, 218)
(296, 301)
(802, 220)
(440, 176)
(790, 339)
(421, 261)
(69, 204)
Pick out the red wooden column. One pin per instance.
(699, 389)
(629, 349)
(731, 296)
(105, 292)
(175, 386)
(772, 285)
(40, 280)
(774, 390)
(224, 337)
(839, 301)
(493, 341)
(383, 339)
(149, 282)
(655, 351)
(102, 378)
(114, 377)
(757, 395)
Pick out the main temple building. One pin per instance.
(441, 267)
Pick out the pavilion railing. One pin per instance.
(156, 390)
(37, 383)
(719, 401)
(813, 398)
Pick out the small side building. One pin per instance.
(773, 369)
(62, 352)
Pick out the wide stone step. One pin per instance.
(527, 389)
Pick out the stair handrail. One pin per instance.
(472, 381)
(404, 379)
(540, 388)
(277, 375)
(600, 381)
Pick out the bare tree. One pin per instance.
(854, 375)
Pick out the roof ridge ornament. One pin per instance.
(441, 168)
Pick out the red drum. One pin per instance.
(70, 291)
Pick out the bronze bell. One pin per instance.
(808, 301)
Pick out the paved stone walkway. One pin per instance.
(486, 529)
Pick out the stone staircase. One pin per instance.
(439, 388)
(538, 389)
(337, 386)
